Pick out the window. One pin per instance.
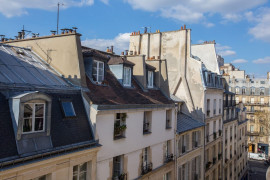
(251, 128)
(80, 171)
(168, 119)
(208, 107)
(262, 82)
(34, 117)
(196, 139)
(44, 177)
(196, 170)
(185, 143)
(147, 122)
(150, 79)
(219, 111)
(244, 100)
(215, 106)
(167, 176)
(261, 129)
(146, 164)
(118, 166)
(252, 91)
(262, 91)
(252, 100)
(185, 172)
(214, 127)
(127, 76)
(262, 100)
(120, 125)
(68, 109)
(98, 71)
(237, 90)
(237, 100)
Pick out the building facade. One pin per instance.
(254, 94)
(45, 131)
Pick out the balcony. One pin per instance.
(253, 133)
(214, 160)
(208, 113)
(146, 168)
(169, 158)
(219, 156)
(122, 176)
(146, 128)
(207, 166)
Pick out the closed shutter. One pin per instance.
(199, 138)
(187, 142)
(180, 146)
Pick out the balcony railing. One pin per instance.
(122, 176)
(146, 128)
(146, 168)
(169, 158)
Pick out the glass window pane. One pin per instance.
(68, 109)
(82, 176)
(39, 110)
(38, 124)
(28, 110)
(27, 124)
(83, 167)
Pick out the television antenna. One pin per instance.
(58, 4)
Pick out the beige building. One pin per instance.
(45, 132)
(254, 94)
(193, 76)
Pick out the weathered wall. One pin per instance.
(62, 52)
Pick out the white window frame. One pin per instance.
(97, 69)
(150, 81)
(33, 119)
(79, 173)
(127, 80)
(120, 163)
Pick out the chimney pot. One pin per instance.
(181, 27)
(126, 52)
(184, 26)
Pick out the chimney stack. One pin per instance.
(111, 49)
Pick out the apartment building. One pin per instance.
(190, 150)
(234, 137)
(254, 94)
(132, 118)
(45, 131)
(193, 76)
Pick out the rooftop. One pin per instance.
(187, 123)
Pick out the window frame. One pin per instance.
(63, 109)
(129, 78)
(97, 72)
(33, 118)
(150, 79)
(79, 173)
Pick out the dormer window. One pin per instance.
(34, 117)
(127, 76)
(68, 109)
(150, 79)
(98, 71)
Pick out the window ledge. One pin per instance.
(168, 127)
(147, 132)
(119, 137)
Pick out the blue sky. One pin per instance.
(241, 28)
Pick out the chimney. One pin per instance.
(184, 26)
(268, 75)
(111, 49)
(126, 52)
(107, 50)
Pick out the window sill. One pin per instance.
(119, 137)
(168, 127)
(147, 132)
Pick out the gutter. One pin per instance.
(15, 161)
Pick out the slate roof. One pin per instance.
(64, 131)
(186, 123)
(21, 66)
(119, 60)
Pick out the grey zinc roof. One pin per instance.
(23, 66)
(186, 123)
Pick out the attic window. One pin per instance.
(127, 76)
(34, 117)
(68, 109)
(98, 71)
(150, 79)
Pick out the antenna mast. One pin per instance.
(58, 4)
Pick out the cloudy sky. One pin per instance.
(241, 28)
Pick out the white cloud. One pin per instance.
(239, 61)
(120, 43)
(265, 60)
(224, 50)
(10, 8)
(261, 29)
(194, 11)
